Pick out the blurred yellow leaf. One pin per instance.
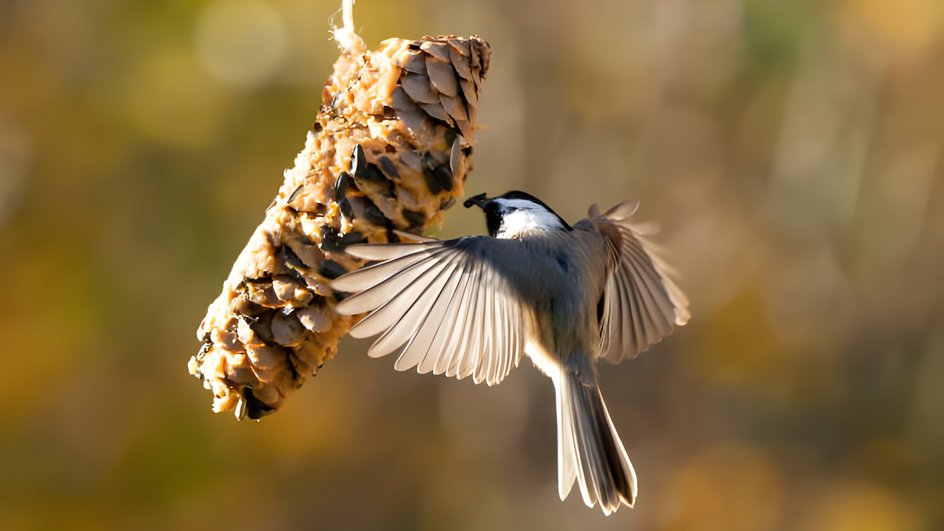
(726, 488)
(854, 506)
(905, 28)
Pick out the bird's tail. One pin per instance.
(588, 448)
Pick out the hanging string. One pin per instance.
(347, 38)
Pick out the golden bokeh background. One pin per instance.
(790, 151)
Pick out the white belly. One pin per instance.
(546, 362)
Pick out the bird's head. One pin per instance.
(515, 213)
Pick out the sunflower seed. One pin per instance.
(331, 269)
(346, 209)
(358, 159)
(331, 239)
(351, 238)
(294, 194)
(374, 214)
(414, 219)
(341, 184)
(389, 168)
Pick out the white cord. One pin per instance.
(347, 38)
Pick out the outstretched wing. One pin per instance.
(447, 306)
(641, 304)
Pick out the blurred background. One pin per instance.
(790, 151)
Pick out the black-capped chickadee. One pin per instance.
(564, 295)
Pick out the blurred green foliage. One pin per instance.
(791, 152)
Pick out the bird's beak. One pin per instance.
(478, 200)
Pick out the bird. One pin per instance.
(566, 296)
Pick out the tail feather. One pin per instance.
(589, 449)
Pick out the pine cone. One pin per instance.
(389, 151)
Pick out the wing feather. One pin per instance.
(488, 335)
(467, 345)
(659, 309)
(387, 251)
(479, 351)
(445, 305)
(629, 302)
(504, 347)
(460, 330)
(643, 306)
(493, 360)
(372, 275)
(641, 303)
(385, 301)
(369, 284)
(403, 325)
(429, 317)
(450, 323)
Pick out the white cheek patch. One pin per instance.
(527, 216)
